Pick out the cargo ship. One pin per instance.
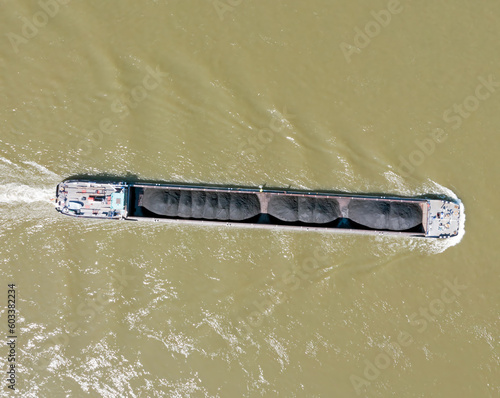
(259, 208)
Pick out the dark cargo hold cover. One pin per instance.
(201, 204)
(313, 210)
(395, 216)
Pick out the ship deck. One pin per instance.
(92, 200)
(443, 219)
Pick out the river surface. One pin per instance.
(393, 97)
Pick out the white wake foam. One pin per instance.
(42, 169)
(19, 193)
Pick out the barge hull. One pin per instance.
(276, 209)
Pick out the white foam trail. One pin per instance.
(6, 161)
(400, 186)
(19, 193)
(397, 181)
(438, 188)
(41, 168)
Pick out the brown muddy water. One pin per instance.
(390, 96)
